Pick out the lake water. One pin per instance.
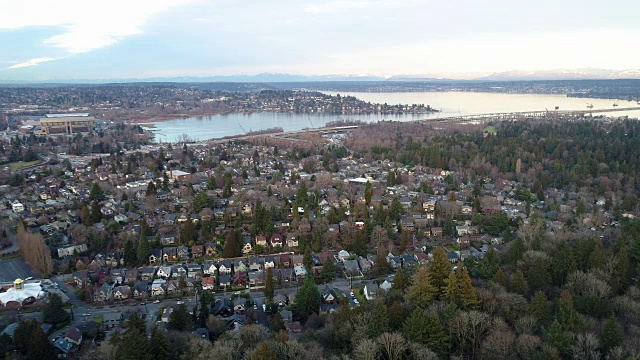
(450, 104)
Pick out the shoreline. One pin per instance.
(149, 122)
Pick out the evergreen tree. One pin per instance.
(308, 298)
(518, 283)
(130, 254)
(562, 263)
(428, 330)
(489, 265)
(53, 312)
(277, 324)
(622, 276)
(539, 307)
(151, 189)
(396, 316)
(159, 348)
(179, 318)
(500, 278)
(307, 260)
(567, 315)
(133, 345)
(421, 291)
(96, 215)
(368, 192)
(452, 290)
(96, 193)
(268, 287)
(611, 334)
(559, 338)
(144, 248)
(439, 268)
(379, 323)
(188, 233)
(232, 246)
(468, 295)
(596, 258)
(401, 280)
(516, 250)
(40, 348)
(328, 270)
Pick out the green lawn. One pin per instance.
(21, 164)
(491, 130)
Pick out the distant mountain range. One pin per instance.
(558, 74)
(563, 74)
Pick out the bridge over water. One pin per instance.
(526, 115)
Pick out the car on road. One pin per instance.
(179, 302)
(237, 293)
(156, 301)
(143, 303)
(264, 307)
(86, 314)
(255, 306)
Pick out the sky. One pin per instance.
(116, 39)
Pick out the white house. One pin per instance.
(17, 207)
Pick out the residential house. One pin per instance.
(247, 247)
(105, 293)
(158, 287)
(224, 281)
(241, 265)
(210, 249)
(117, 275)
(329, 296)
(122, 292)
(209, 283)
(140, 290)
(209, 268)
(148, 273)
(255, 263)
(183, 252)
(280, 300)
(370, 290)
(269, 262)
(155, 256)
(166, 315)
(292, 241)
(277, 240)
(261, 240)
(112, 319)
(297, 260)
(239, 305)
(164, 272)
(240, 278)
(224, 267)
(73, 336)
(178, 271)
(284, 260)
(169, 254)
(194, 271)
(197, 251)
(131, 276)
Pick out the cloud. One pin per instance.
(85, 25)
(32, 62)
(341, 5)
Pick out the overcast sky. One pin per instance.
(97, 39)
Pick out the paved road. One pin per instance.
(12, 269)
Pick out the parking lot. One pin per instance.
(14, 268)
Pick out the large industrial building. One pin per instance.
(67, 124)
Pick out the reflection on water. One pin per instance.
(450, 104)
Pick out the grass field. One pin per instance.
(21, 164)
